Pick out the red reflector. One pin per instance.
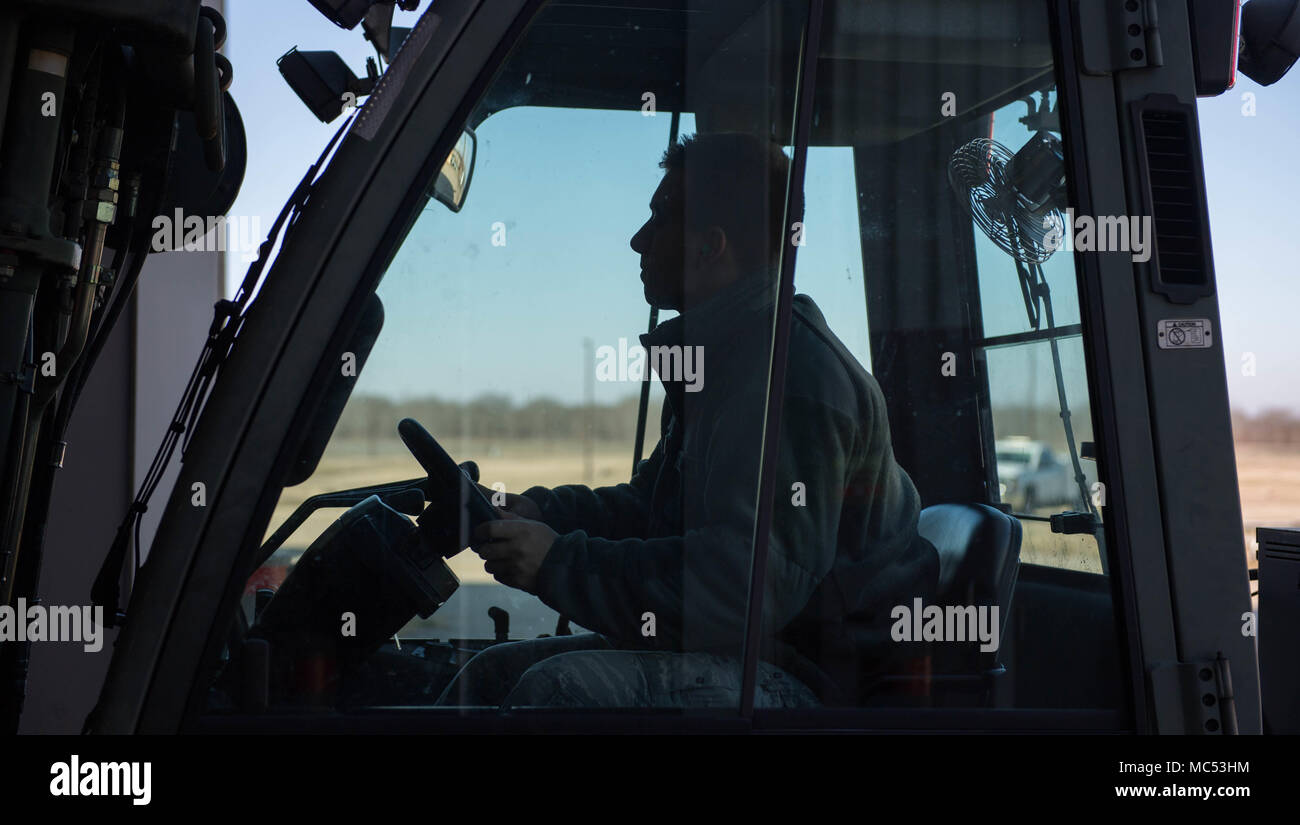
(1236, 41)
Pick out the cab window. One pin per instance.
(965, 429)
(517, 332)
(597, 329)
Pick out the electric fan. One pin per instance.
(1016, 199)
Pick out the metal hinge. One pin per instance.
(1194, 697)
(1116, 35)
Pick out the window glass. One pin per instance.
(515, 333)
(1035, 469)
(830, 257)
(1000, 297)
(912, 560)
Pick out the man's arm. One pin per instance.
(696, 585)
(616, 512)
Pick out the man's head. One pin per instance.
(715, 218)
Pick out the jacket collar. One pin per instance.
(728, 318)
(712, 321)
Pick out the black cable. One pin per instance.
(1041, 290)
(1034, 284)
(134, 254)
(227, 321)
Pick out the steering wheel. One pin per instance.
(456, 505)
(374, 564)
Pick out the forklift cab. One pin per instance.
(997, 207)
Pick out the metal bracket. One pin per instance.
(1072, 522)
(1116, 35)
(58, 252)
(1202, 690)
(24, 378)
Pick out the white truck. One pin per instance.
(1031, 475)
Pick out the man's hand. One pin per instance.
(517, 505)
(513, 549)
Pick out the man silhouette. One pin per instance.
(659, 567)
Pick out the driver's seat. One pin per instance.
(979, 559)
(979, 553)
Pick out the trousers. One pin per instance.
(585, 670)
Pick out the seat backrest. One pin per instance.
(979, 556)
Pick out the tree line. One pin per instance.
(1268, 427)
(374, 418)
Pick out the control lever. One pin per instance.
(500, 623)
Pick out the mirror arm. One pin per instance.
(362, 86)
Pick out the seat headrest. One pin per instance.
(979, 552)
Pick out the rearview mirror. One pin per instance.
(452, 184)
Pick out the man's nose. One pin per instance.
(638, 240)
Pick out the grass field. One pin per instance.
(517, 464)
(1268, 476)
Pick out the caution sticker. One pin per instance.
(1185, 333)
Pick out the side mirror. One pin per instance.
(452, 184)
(324, 82)
(1270, 39)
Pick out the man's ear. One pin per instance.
(713, 244)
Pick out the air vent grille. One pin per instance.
(1176, 199)
(1176, 217)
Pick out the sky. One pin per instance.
(1252, 175)
(530, 346)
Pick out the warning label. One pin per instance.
(1185, 333)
